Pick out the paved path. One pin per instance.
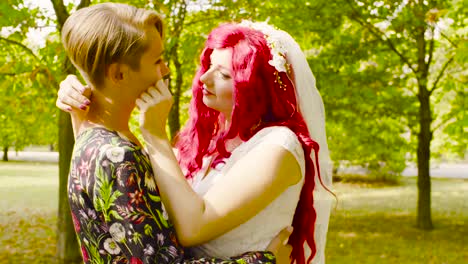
(33, 156)
(443, 170)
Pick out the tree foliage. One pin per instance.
(26, 96)
(400, 52)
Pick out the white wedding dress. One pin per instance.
(256, 233)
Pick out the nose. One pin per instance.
(206, 77)
(164, 69)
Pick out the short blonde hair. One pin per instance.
(95, 37)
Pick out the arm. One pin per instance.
(126, 194)
(249, 257)
(256, 180)
(278, 246)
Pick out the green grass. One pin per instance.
(370, 224)
(28, 208)
(377, 224)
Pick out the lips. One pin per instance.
(206, 91)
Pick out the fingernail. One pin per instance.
(69, 109)
(285, 242)
(290, 229)
(83, 107)
(87, 102)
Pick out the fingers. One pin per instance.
(284, 234)
(73, 95)
(73, 83)
(153, 92)
(162, 87)
(147, 97)
(142, 105)
(279, 247)
(63, 106)
(280, 239)
(68, 104)
(156, 94)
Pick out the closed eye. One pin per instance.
(224, 75)
(219, 71)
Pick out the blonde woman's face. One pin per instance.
(218, 83)
(152, 66)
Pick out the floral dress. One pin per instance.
(116, 207)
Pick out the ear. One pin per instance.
(117, 72)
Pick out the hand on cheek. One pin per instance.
(155, 105)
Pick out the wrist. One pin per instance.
(153, 136)
(155, 139)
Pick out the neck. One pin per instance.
(227, 123)
(226, 118)
(112, 112)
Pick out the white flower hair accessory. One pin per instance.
(277, 48)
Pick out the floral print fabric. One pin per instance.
(116, 207)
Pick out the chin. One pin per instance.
(206, 101)
(210, 105)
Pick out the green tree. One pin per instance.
(27, 114)
(409, 29)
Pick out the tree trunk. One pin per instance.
(67, 245)
(424, 219)
(174, 115)
(5, 153)
(177, 22)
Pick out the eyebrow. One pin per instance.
(222, 67)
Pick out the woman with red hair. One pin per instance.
(250, 149)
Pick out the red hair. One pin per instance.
(259, 102)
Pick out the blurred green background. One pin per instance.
(393, 77)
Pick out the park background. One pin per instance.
(393, 76)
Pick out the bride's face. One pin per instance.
(218, 83)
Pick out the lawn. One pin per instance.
(377, 224)
(370, 224)
(28, 208)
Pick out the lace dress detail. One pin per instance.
(256, 233)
